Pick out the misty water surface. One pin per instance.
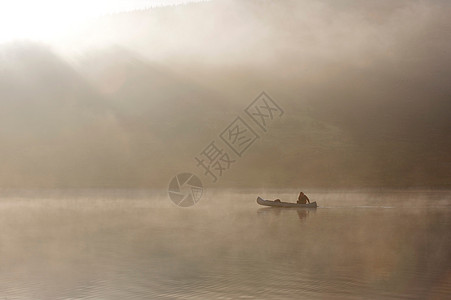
(129, 99)
(136, 244)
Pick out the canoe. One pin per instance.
(261, 201)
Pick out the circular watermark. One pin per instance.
(185, 189)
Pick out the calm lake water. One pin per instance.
(136, 244)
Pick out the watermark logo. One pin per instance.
(185, 189)
(219, 155)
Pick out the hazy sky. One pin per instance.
(47, 20)
(130, 99)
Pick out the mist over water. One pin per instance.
(98, 116)
(136, 245)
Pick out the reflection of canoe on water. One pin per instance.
(285, 204)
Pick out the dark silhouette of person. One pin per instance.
(303, 199)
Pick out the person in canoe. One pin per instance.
(303, 199)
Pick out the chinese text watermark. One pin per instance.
(220, 154)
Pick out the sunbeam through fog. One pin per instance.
(49, 20)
